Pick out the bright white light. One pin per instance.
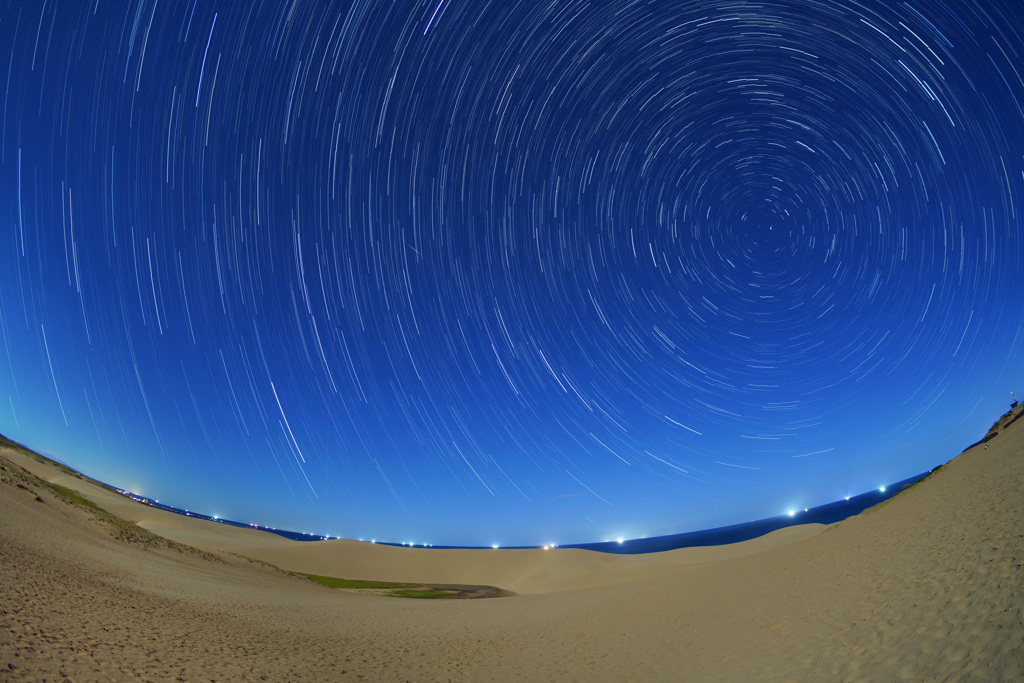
(882, 489)
(547, 547)
(620, 540)
(495, 546)
(792, 513)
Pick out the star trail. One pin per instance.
(501, 272)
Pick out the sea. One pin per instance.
(823, 514)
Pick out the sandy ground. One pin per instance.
(928, 586)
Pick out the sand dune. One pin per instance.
(925, 587)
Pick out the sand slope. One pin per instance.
(520, 571)
(926, 587)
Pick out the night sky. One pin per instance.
(497, 272)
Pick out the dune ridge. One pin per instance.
(927, 586)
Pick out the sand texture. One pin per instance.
(927, 587)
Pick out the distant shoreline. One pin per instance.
(829, 513)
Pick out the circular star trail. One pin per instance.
(508, 273)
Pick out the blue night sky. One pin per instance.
(475, 272)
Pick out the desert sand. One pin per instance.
(928, 586)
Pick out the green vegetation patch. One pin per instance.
(397, 590)
(332, 582)
(75, 498)
(121, 529)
